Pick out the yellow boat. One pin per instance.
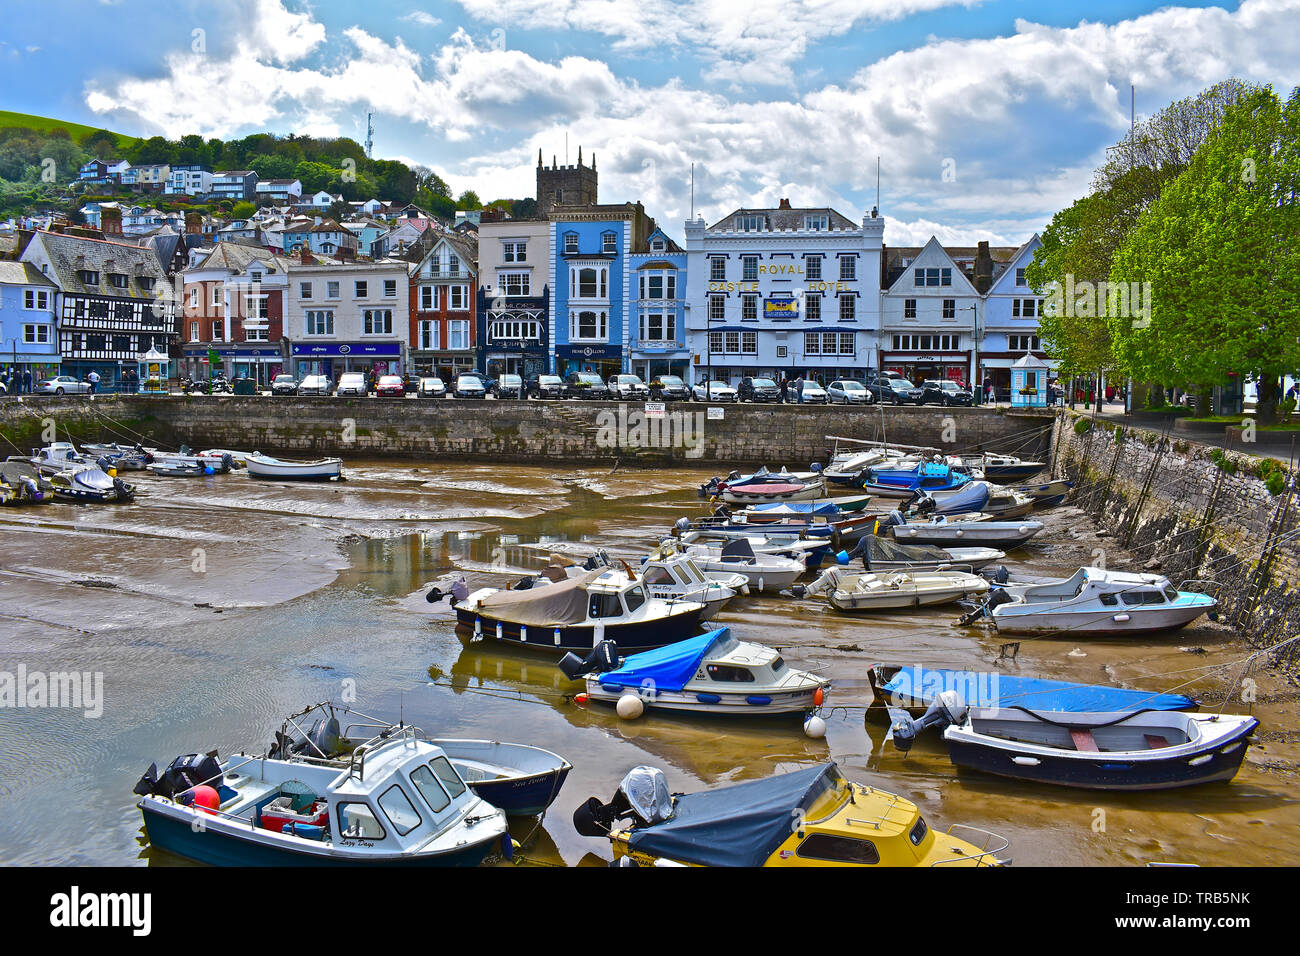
(812, 817)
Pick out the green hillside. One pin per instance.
(44, 124)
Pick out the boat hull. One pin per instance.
(851, 601)
(631, 638)
(1093, 621)
(956, 535)
(772, 704)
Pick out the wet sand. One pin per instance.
(295, 589)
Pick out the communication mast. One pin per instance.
(370, 135)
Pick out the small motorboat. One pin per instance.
(716, 485)
(915, 689)
(811, 817)
(903, 483)
(1005, 503)
(944, 531)
(1049, 494)
(264, 466)
(395, 800)
(1002, 469)
(73, 481)
(238, 458)
(892, 590)
(520, 779)
(575, 613)
(122, 457)
(181, 468)
(1129, 750)
(714, 674)
(829, 508)
(219, 464)
(968, 498)
(1094, 601)
(21, 483)
(885, 554)
(763, 570)
(773, 488)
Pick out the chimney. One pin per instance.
(307, 258)
(110, 221)
(193, 223)
(785, 204)
(983, 269)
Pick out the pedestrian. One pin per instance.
(989, 392)
(93, 378)
(27, 381)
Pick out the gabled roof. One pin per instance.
(1025, 252)
(936, 256)
(22, 273)
(670, 247)
(327, 225)
(238, 256)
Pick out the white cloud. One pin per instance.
(422, 19)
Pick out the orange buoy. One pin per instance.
(206, 798)
(580, 700)
(819, 695)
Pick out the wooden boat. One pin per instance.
(837, 823)
(944, 531)
(576, 614)
(892, 590)
(714, 674)
(1095, 601)
(397, 800)
(264, 466)
(1142, 750)
(915, 689)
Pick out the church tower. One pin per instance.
(564, 185)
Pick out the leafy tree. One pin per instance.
(314, 176)
(242, 210)
(469, 200)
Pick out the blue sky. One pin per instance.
(987, 116)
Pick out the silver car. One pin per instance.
(62, 384)
(846, 391)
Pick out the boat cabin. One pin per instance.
(1109, 588)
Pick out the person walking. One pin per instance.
(27, 381)
(93, 378)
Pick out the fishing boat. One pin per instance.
(915, 689)
(764, 571)
(1128, 750)
(1095, 601)
(1002, 469)
(520, 779)
(396, 800)
(264, 466)
(1048, 494)
(885, 554)
(835, 823)
(576, 613)
(891, 590)
(944, 531)
(713, 673)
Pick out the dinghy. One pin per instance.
(576, 613)
(1143, 750)
(1004, 504)
(892, 590)
(181, 468)
(714, 674)
(1095, 601)
(1049, 494)
(839, 823)
(915, 689)
(772, 489)
(764, 571)
(264, 466)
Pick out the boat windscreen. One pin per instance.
(878, 549)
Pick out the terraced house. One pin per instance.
(28, 338)
(347, 316)
(657, 336)
(514, 296)
(783, 292)
(115, 302)
(442, 309)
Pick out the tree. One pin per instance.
(469, 200)
(1220, 249)
(242, 210)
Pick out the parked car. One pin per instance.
(284, 385)
(669, 388)
(628, 388)
(432, 387)
(808, 392)
(848, 391)
(315, 385)
(585, 385)
(410, 383)
(469, 386)
(944, 392)
(714, 392)
(545, 386)
(61, 384)
(390, 386)
(351, 383)
(507, 386)
(897, 391)
(753, 389)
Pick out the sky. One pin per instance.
(986, 116)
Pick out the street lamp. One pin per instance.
(973, 308)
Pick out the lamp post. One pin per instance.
(976, 387)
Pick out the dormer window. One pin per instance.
(146, 283)
(818, 222)
(255, 276)
(657, 245)
(749, 224)
(117, 280)
(88, 277)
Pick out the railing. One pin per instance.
(984, 848)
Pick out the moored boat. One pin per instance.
(892, 590)
(322, 469)
(764, 571)
(944, 531)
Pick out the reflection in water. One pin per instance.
(320, 585)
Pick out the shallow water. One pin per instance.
(215, 606)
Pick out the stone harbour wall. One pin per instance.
(1194, 512)
(570, 432)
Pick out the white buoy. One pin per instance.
(629, 707)
(815, 727)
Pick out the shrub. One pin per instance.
(1082, 426)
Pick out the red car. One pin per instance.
(390, 386)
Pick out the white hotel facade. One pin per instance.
(783, 292)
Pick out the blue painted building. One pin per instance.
(27, 335)
(657, 328)
(592, 284)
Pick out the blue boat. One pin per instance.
(914, 689)
(967, 499)
(904, 482)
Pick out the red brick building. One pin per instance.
(233, 303)
(442, 334)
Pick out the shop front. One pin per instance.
(515, 358)
(649, 364)
(334, 359)
(444, 364)
(918, 368)
(261, 364)
(604, 360)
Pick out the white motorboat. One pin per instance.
(323, 469)
(1095, 601)
(947, 531)
(1004, 503)
(885, 554)
(240, 458)
(713, 673)
(844, 468)
(764, 571)
(892, 590)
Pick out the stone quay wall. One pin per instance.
(1194, 512)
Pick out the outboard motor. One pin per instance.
(603, 657)
(642, 795)
(322, 740)
(183, 773)
(722, 511)
(997, 596)
(681, 526)
(948, 708)
(1001, 575)
(924, 504)
(893, 519)
(709, 487)
(459, 591)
